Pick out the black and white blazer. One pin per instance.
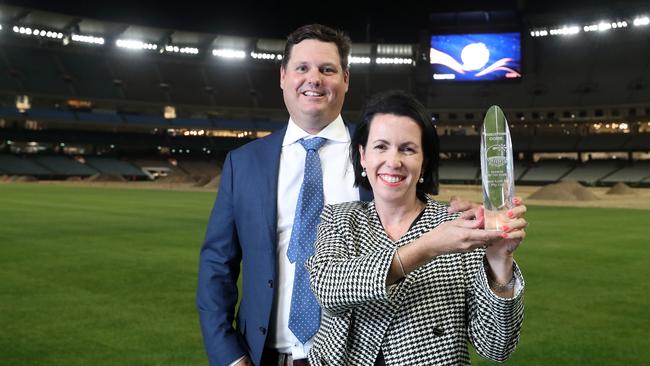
(428, 318)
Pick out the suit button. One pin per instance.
(271, 283)
(438, 331)
(262, 330)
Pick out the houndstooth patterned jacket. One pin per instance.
(425, 319)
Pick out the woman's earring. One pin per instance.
(421, 180)
(363, 173)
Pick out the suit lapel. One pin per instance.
(269, 166)
(364, 194)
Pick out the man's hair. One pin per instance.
(401, 104)
(321, 33)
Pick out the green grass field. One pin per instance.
(103, 276)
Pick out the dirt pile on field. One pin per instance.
(564, 191)
(24, 179)
(621, 188)
(202, 180)
(214, 182)
(176, 178)
(106, 178)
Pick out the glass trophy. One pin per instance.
(497, 172)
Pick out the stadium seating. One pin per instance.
(265, 87)
(38, 71)
(577, 81)
(452, 171)
(520, 169)
(115, 167)
(186, 82)
(64, 166)
(14, 165)
(593, 171)
(230, 84)
(90, 75)
(634, 174)
(546, 171)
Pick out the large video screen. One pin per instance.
(476, 57)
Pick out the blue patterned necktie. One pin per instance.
(304, 316)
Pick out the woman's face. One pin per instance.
(393, 158)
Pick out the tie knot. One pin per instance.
(313, 144)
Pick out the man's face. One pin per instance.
(314, 84)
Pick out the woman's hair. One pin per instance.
(402, 104)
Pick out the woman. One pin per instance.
(401, 281)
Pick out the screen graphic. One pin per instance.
(476, 57)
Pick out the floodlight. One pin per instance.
(359, 60)
(81, 38)
(133, 44)
(604, 26)
(640, 21)
(393, 61)
(229, 53)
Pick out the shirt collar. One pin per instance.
(335, 131)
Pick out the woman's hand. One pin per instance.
(463, 235)
(499, 254)
(513, 226)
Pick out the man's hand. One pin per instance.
(244, 362)
(468, 209)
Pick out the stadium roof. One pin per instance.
(399, 22)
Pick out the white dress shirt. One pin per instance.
(338, 180)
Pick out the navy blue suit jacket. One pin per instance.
(242, 230)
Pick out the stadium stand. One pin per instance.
(14, 165)
(196, 168)
(603, 142)
(553, 144)
(115, 167)
(90, 75)
(138, 78)
(64, 166)
(638, 142)
(50, 114)
(458, 171)
(546, 171)
(99, 117)
(187, 85)
(264, 91)
(38, 70)
(632, 175)
(593, 171)
(575, 97)
(520, 169)
(230, 84)
(451, 143)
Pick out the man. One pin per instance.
(253, 222)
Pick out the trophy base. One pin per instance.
(493, 219)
